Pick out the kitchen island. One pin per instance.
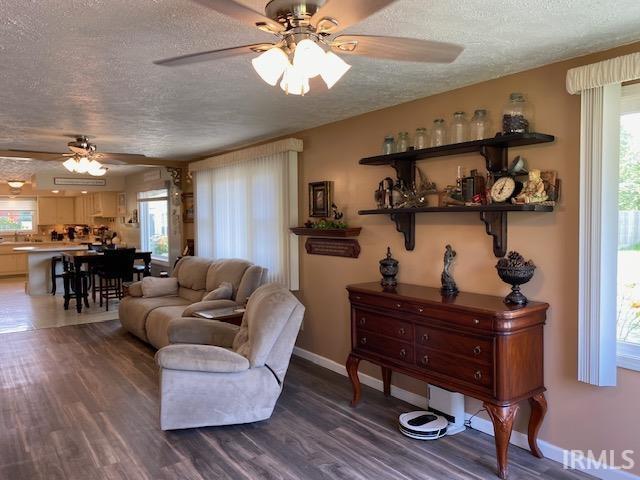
(39, 266)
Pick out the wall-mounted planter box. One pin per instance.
(327, 232)
(332, 241)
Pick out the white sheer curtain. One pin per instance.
(244, 210)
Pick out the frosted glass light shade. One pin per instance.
(334, 68)
(309, 58)
(94, 166)
(99, 172)
(294, 82)
(70, 164)
(83, 165)
(15, 183)
(270, 65)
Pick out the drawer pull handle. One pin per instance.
(477, 375)
(363, 320)
(477, 350)
(401, 331)
(357, 297)
(476, 321)
(403, 353)
(425, 359)
(425, 337)
(420, 309)
(363, 340)
(398, 305)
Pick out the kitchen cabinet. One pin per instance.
(55, 210)
(12, 263)
(84, 209)
(105, 205)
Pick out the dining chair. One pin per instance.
(116, 268)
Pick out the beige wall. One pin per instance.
(580, 416)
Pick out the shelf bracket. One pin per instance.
(406, 224)
(496, 225)
(497, 157)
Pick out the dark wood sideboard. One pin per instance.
(473, 344)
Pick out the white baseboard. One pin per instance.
(550, 451)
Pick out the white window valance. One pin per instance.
(247, 154)
(607, 72)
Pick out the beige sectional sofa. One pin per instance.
(148, 317)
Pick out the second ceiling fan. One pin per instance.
(306, 44)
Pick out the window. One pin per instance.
(154, 223)
(17, 215)
(245, 204)
(628, 295)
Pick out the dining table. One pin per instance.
(92, 259)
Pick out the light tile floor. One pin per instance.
(20, 312)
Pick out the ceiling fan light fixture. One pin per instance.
(294, 82)
(99, 172)
(15, 184)
(70, 164)
(94, 166)
(334, 68)
(309, 58)
(83, 165)
(271, 64)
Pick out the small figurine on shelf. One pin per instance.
(449, 287)
(336, 214)
(389, 270)
(309, 224)
(533, 190)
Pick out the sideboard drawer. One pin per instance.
(465, 371)
(473, 347)
(395, 349)
(382, 325)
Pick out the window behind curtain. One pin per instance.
(153, 209)
(242, 211)
(17, 215)
(628, 323)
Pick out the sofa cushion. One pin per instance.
(223, 292)
(133, 312)
(228, 270)
(192, 272)
(251, 280)
(135, 289)
(157, 324)
(201, 358)
(159, 287)
(191, 295)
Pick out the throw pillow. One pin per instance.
(159, 287)
(223, 292)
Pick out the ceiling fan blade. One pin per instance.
(30, 154)
(243, 14)
(347, 12)
(397, 48)
(214, 55)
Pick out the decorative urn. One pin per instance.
(389, 270)
(514, 270)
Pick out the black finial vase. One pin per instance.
(389, 270)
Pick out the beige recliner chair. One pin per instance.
(214, 373)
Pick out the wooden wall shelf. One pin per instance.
(327, 232)
(496, 154)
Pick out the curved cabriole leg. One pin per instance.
(538, 410)
(352, 370)
(386, 381)
(502, 418)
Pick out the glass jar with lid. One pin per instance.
(438, 133)
(480, 126)
(403, 142)
(420, 140)
(516, 117)
(389, 145)
(459, 130)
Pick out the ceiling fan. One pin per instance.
(84, 157)
(305, 31)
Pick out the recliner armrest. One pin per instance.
(208, 305)
(201, 358)
(202, 332)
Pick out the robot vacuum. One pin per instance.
(423, 425)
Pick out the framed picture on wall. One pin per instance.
(187, 208)
(319, 199)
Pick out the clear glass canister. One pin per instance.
(459, 128)
(480, 126)
(439, 133)
(403, 142)
(389, 145)
(420, 140)
(516, 117)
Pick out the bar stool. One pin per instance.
(68, 280)
(54, 275)
(138, 271)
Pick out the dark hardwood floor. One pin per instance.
(80, 402)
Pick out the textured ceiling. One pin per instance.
(85, 66)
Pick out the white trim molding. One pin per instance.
(615, 70)
(629, 356)
(550, 451)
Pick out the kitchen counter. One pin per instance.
(54, 248)
(39, 266)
